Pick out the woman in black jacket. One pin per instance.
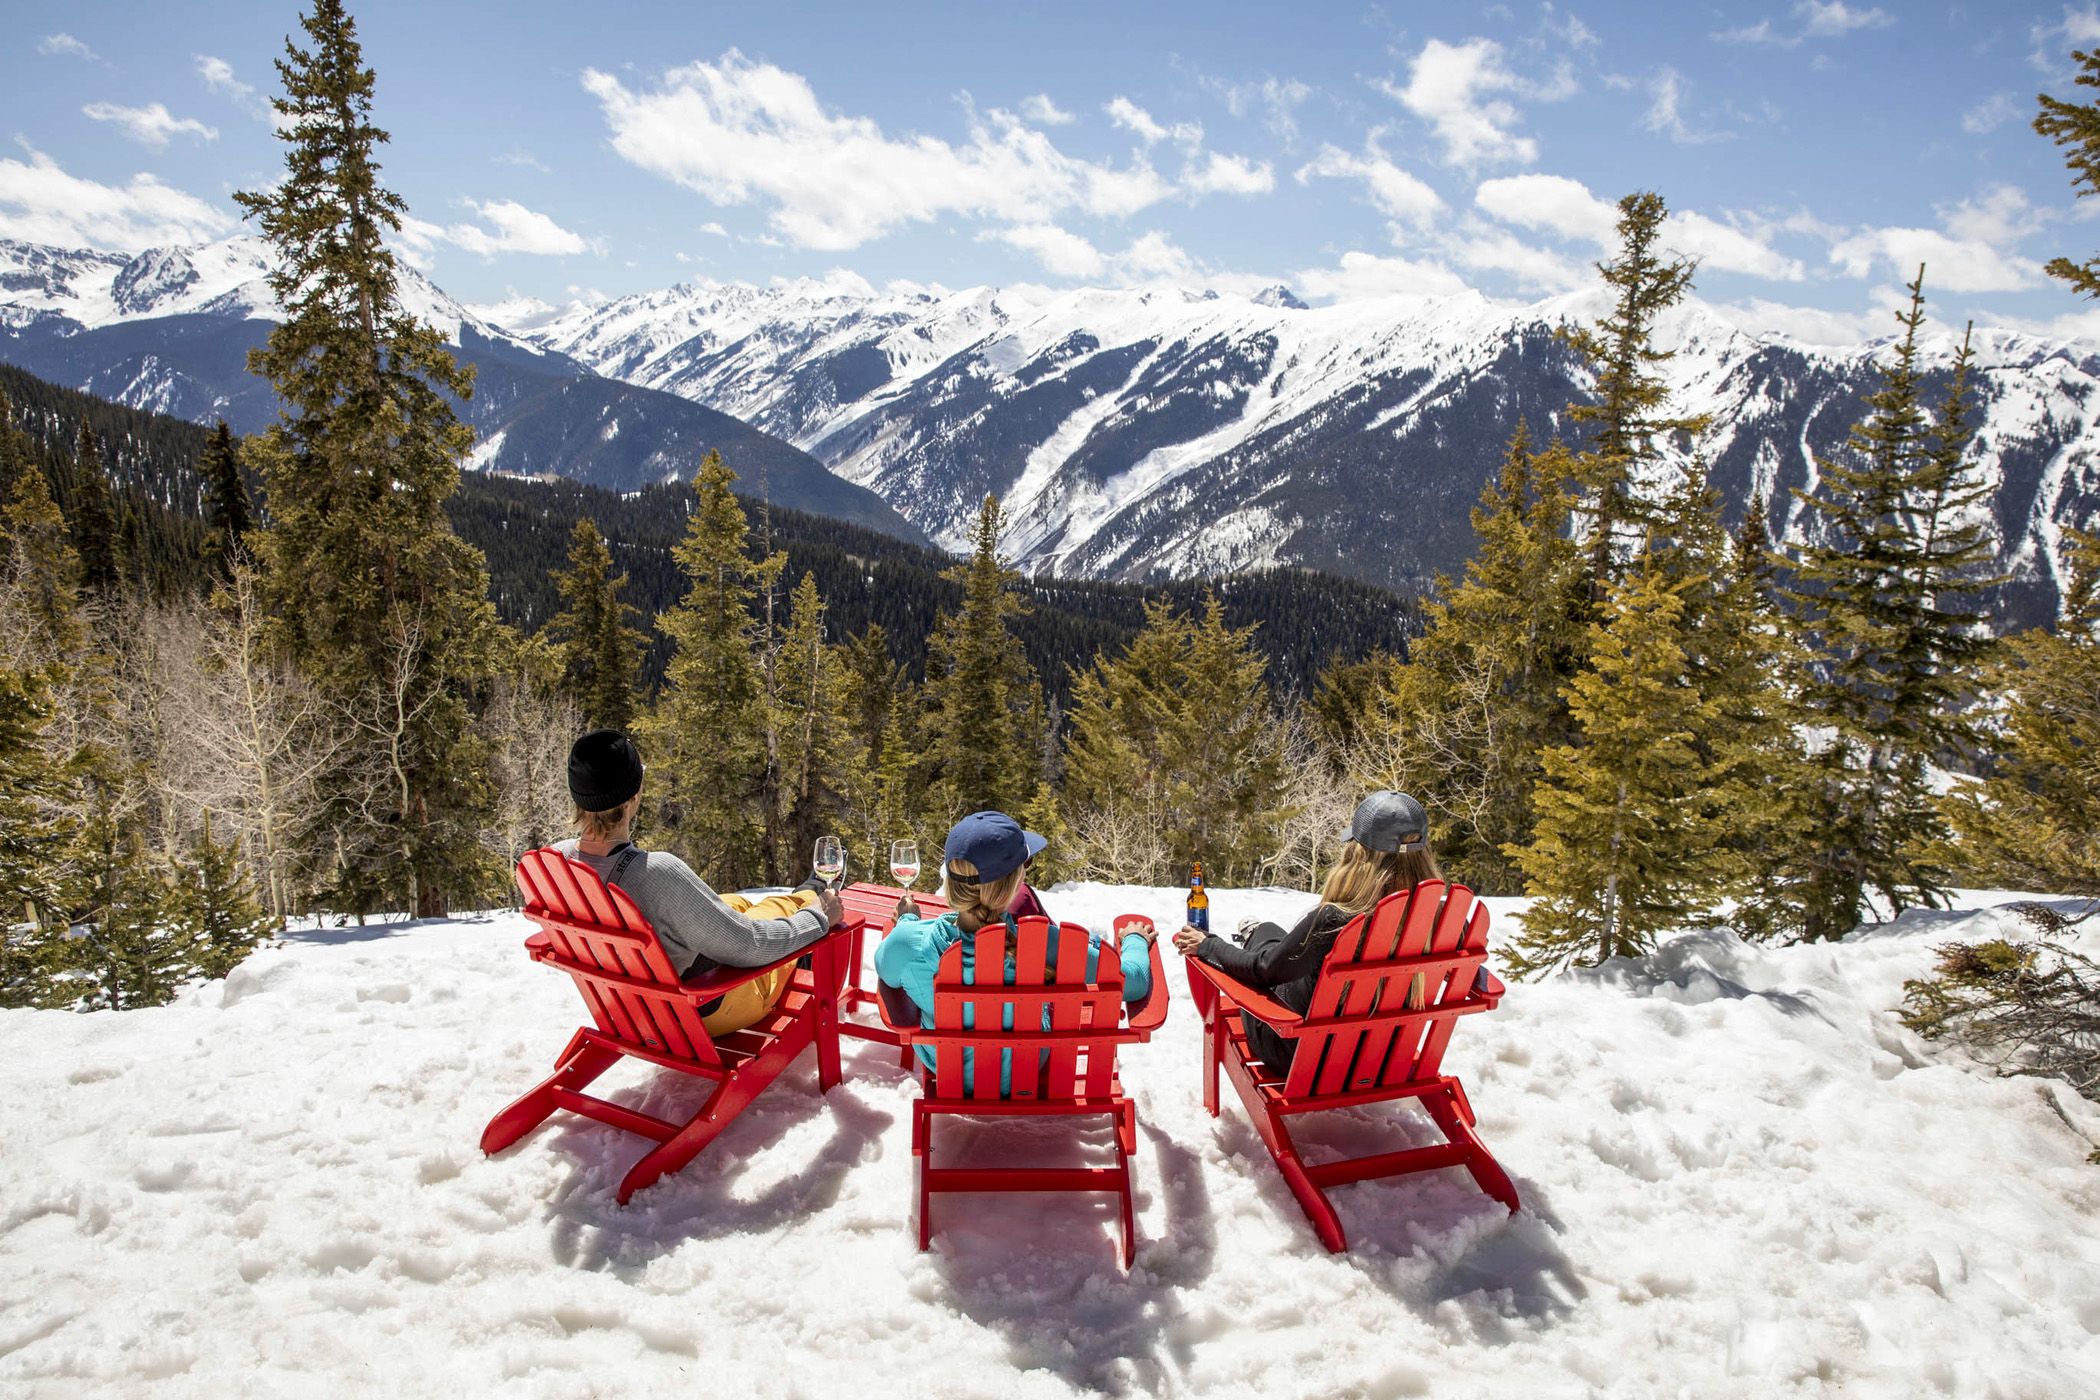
(1384, 851)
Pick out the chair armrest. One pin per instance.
(1238, 995)
(1151, 1013)
(898, 1011)
(723, 979)
(539, 945)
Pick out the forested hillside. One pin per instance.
(1307, 619)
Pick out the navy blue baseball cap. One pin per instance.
(991, 841)
(1036, 842)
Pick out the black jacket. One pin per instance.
(1284, 964)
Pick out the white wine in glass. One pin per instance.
(829, 860)
(904, 862)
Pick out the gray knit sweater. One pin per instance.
(698, 931)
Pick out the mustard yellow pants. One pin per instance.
(748, 1004)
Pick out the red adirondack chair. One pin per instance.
(594, 932)
(1069, 1069)
(1365, 1039)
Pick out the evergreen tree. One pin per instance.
(2075, 127)
(980, 688)
(704, 735)
(95, 535)
(226, 507)
(374, 597)
(601, 652)
(35, 839)
(2030, 824)
(1464, 723)
(1892, 647)
(1173, 754)
(816, 736)
(1632, 398)
(37, 576)
(1631, 836)
(134, 951)
(214, 905)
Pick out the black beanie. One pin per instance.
(604, 770)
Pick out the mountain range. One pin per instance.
(1131, 433)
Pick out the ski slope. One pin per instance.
(1741, 1177)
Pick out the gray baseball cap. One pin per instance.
(1389, 821)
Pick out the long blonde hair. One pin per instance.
(979, 902)
(1361, 876)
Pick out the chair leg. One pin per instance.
(922, 1157)
(1123, 1194)
(1126, 1127)
(1318, 1209)
(681, 1147)
(1486, 1171)
(1213, 1052)
(578, 1068)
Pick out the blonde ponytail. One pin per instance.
(979, 902)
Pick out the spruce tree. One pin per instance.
(38, 576)
(980, 688)
(1464, 722)
(2030, 824)
(1632, 826)
(703, 739)
(601, 652)
(1632, 398)
(36, 837)
(2075, 127)
(227, 510)
(375, 599)
(1882, 594)
(816, 747)
(215, 905)
(95, 535)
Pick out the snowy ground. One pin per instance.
(1740, 1176)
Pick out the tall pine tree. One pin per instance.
(1883, 594)
(375, 599)
(703, 738)
(227, 510)
(2075, 127)
(96, 538)
(981, 695)
(601, 652)
(1632, 398)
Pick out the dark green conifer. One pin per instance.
(227, 511)
(96, 538)
(980, 687)
(2075, 127)
(374, 598)
(214, 903)
(601, 652)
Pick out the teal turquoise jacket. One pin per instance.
(910, 957)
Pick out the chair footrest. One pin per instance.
(1414, 1159)
(1025, 1178)
(614, 1116)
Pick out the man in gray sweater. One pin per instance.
(699, 929)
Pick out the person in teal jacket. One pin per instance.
(982, 862)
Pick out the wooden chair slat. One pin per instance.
(1470, 936)
(1394, 990)
(988, 959)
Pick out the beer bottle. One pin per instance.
(1199, 901)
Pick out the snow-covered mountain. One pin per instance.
(1135, 432)
(169, 329)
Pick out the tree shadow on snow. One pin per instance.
(713, 1195)
(376, 929)
(1427, 1238)
(1912, 921)
(1041, 1270)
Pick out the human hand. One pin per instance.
(907, 907)
(1137, 924)
(1188, 938)
(834, 908)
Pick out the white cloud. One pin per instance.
(66, 44)
(1042, 110)
(1453, 87)
(1061, 252)
(1952, 264)
(517, 230)
(1558, 205)
(150, 125)
(1135, 119)
(1809, 324)
(1990, 114)
(1359, 275)
(2079, 29)
(41, 203)
(1831, 18)
(1484, 248)
(1155, 257)
(738, 132)
(1552, 204)
(1395, 193)
(1819, 19)
(714, 229)
(1278, 98)
(1668, 91)
(218, 76)
(1222, 174)
(523, 159)
(2001, 214)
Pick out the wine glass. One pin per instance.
(904, 862)
(829, 859)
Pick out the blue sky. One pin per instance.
(1813, 152)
